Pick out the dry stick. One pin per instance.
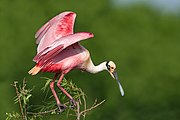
(42, 113)
(19, 100)
(79, 103)
(45, 112)
(85, 111)
(24, 106)
(85, 106)
(78, 112)
(84, 102)
(78, 115)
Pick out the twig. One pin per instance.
(42, 113)
(45, 112)
(85, 106)
(24, 105)
(19, 100)
(94, 106)
(78, 111)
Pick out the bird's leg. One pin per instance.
(72, 101)
(60, 106)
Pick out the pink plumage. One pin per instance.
(59, 51)
(59, 26)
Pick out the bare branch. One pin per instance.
(42, 113)
(19, 99)
(94, 106)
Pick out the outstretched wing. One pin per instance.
(59, 26)
(57, 46)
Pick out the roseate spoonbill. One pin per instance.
(59, 51)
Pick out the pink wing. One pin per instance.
(59, 26)
(57, 46)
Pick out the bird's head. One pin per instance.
(111, 68)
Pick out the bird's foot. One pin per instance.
(72, 103)
(61, 107)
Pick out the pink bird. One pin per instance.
(59, 51)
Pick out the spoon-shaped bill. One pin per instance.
(120, 86)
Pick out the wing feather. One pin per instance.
(41, 32)
(59, 26)
(57, 46)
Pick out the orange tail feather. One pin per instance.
(34, 70)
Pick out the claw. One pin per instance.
(73, 103)
(61, 107)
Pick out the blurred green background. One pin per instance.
(142, 41)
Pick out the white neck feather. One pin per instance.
(95, 69)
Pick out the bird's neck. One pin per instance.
(95, 69)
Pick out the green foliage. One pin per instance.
(23, 95)
(13, 116)
(22, 98)
(143, 43)
(69, 86)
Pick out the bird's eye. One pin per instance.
(112, 67)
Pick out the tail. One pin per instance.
(34, 70)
